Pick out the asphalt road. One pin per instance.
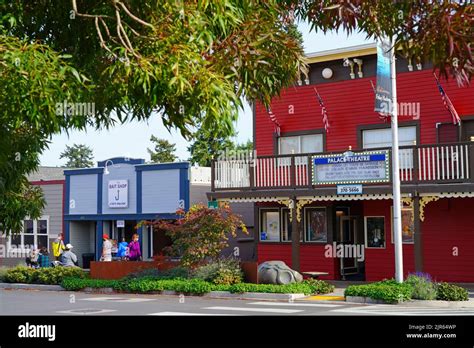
(30, 302)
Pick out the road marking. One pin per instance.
(186, 314)
(117, 299)
(384, 310)
(253, 309)
(324, 298)
(295, 304)
(87, 311)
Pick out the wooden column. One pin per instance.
(295, 239)
(418, 247)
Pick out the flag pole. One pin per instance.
(397, 222)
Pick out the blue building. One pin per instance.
(121, 192)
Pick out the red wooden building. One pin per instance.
(436, 168)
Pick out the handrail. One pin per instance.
(443, 162)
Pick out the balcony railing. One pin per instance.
(436, 163)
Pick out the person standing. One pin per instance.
(134, 249)
(106, 249)
(58, 247)
(122, 250)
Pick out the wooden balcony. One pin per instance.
(434, 164)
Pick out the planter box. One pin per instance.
(120, 269)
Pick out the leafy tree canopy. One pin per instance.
(78, 156)
(441, 32)
(163, 152)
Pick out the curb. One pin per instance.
(212, 294)
(413, 303)
(22, 286)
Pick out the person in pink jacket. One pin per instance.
(134, 253)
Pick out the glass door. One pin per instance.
(348, 241)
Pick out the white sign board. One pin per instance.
(118, 193)
(120, 223)
(349, 189)
(364, 167)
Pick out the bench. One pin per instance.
(315, 275)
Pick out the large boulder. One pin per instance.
(277, 272)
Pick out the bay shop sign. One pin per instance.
(118, 193)
(351, 168)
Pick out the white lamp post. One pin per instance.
(397, 222)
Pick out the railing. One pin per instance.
(437, 163)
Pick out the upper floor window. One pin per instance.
(310, 143)
(375, 138)
(380, 138)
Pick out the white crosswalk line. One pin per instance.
(254, 309)
(117, 299)
(295, 304)
(186, 314)
(405, 311)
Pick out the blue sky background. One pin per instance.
(133, 139)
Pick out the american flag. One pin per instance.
(384, 117)
(274, 121)
(324, 112)
(447, 103)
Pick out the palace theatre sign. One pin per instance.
(351, 168)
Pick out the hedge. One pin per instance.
(195, 286)
(388, 291)
(47, 275)
(451, 292)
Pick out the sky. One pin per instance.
(132, 139)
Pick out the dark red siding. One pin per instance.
(312, 258)
(350, 104)
(448, 225)
(380, 263)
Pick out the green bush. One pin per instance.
(194, 286)
(153, 273)
(74, 284)
(20, 274)
(48, 275)
(3, 271)
(225, 271)
(388, 291)
(188, 286)
(451, 292)
(423, 288)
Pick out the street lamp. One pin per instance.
(106, 169)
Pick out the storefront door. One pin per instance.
(348, 237)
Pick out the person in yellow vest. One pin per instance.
(58, 247)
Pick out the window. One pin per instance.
(286, 226)
(270, 225)
(447, 133)
(374, 231)
(35, 233)
(316, 225)
(310, 143)
(408, 225)
(376, 138)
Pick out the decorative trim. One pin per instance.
(424, 202)
(299, 205)
(288, 203)
(121, 160)
(252, 199)
(450, 194)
